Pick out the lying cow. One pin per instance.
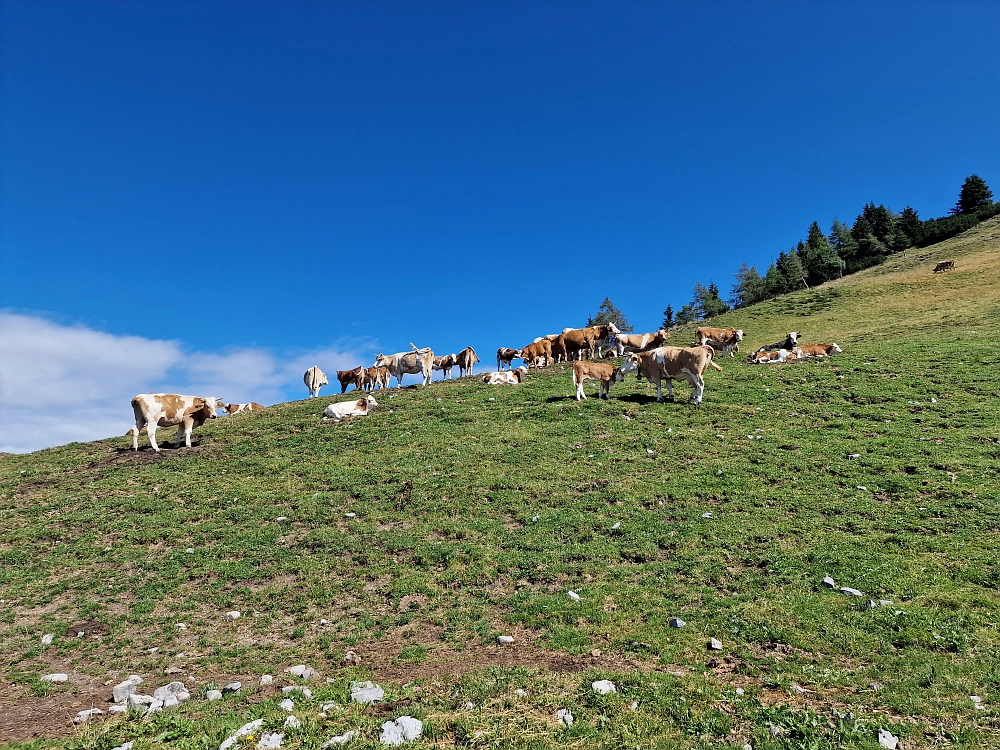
(315, 379)
(466, 360)
(790, 342)
(505, 357)
(510, 377)
(154, 410)
(359, 408)
(945, 265)
(605, 374)
(231, 409)
(672, 363)
(818, 350)
(639, 342)
(347, 378)
(416, 362)
(445, 364)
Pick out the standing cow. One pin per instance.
(672, 363)
(466, 360)
(505, 356)
(417, 362)
(314, 379)
(154, 410)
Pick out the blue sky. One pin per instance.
(297, 177)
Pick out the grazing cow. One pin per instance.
(510, 377)
(154, 410)
(790, 342)
(315, 379)
(818, 350)
(359, 408)
(672, 363)
(721, 346)
(945, 265)
(606, 374)
(445, 364)
(580, 340)
(467, 359)
(231, 409)
(416, 362)
(639, 342)
(505, 357)
(726, 339)
(348, 378)
(538, 350)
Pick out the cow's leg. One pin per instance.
(698, 384)
(135, 436)
(580, 395)
(151, 432)
(670, 389)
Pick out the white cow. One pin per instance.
(359, 408)
(314, 379)
(154, 410)
(419, 362)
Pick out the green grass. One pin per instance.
(444, 552)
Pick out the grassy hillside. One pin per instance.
(477, 508)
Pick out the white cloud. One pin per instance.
(61, 383)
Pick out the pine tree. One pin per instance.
(975, 194)
(791, 268)
(911, 226)
(842, 241)
(608, 313)
(685, 315)
(706, 301)
(749, 288)
(668, 319)
(819, 259)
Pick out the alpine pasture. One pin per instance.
(459, 512)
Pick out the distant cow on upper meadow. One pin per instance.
(154, 410)
(416, 362)
(314, 379)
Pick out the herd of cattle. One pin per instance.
(647, 357)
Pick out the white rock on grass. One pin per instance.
(243, 731)
(352, 658)
(266, 679)
(564, 716)
(887, 739)
(366, 692)
(340, 739)
(617, 525)
(292, 722)
(521, 693)
(403, 729)
(573, 596)
(233, 615)
(232, 687)
(170, 690)
(47, 639)
(829, 582)
(118, 708)
(123, 690)
(603, 687)
(214, 695)
(144, 703)
(505, 640)
(850, 591)
(56, 677)
(714, 644)
(270, 740)
(287, 704)
(676, 622)
(189, 551)
(306, 692)
(297, 671)
(84, 716)
(125, 746)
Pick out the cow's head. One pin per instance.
(382, 361)
(618, 376)
(739, 334)
(371, 402)
(793, 337)
(631, 364)
(834, 349)
(614, 328)
(212, 403)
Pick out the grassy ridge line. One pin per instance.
(443, 567)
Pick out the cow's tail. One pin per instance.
(711, 355)
(421, 351)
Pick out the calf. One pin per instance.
(154, 410)
(790, 342)
(315, 379)
(510, 377)
(606, 374)
(672, 363)
(818, 350)
(445, 364)
(348, 378)
(231, 409)
(359, 408)
(505, 357)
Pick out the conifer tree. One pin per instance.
(668, 319)
(608, 313)
(975, 194)
(749, 288)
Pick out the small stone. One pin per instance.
(829, 582)
(324, 622)
(84, 716)
(287, 704)
(271, 740)
(603, 687)
(350, 515)
(492, 399)
(521, 693)
(854, 456)
(469, 705)
(243, 731)
(595, 652)
(233, 615)
(181, 626)
(170, 701)
(505, 640)
(125, 746)
(281, 518)
(850, 591)
(933, 400)
(121, 691)
(352, 658)
(741, 691)
(47, 639)
(565, 716)
(775, 731)
(162, 693)
(145, 703)
(174, 670)
(309, 673)
(292, 722)
(797, 689)
(573, 596)
(714, 644)
(706, 515)
(330, 707)
(366, 692)
(887, 739)
(297, 671)
(746, 746)
(152, 650)
(118, 708)
(534, 519)
(301, 689)
(266, 680)
(56, 677)
(403, 729)
(617, 525)
(676, 622)
(182, 696)
(232, 687)
(862, 488)
(340, 739)
(214, 695)
(649, 451)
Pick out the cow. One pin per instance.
(231, 409)
(315, 379)
(154, 410)
(818, 350)
(382, 375)
(672, 363)
(727, 339)
(416, 362)
(721, 346)
(510, 377)
(775, 356)
(535, 351)
(505, 357)
(580, 340)
(790, 342)
(604, 373)
(945, 265)
(467, 359)
(639, 342)
(359, 408)
(348, 378)
(445, 364)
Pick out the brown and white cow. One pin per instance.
(445, 364)
(314, 379)
(154, 410)
(604, 373)
(790, 342)
(353, 377)
(231, 409)
(538, 350)
(818, 350)
(577, 341)
(359, 408)
(416, 362)
(672, 363)
(639, 342)
(509, 377)
(505, 356)
(723, 339)
(466, 359)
